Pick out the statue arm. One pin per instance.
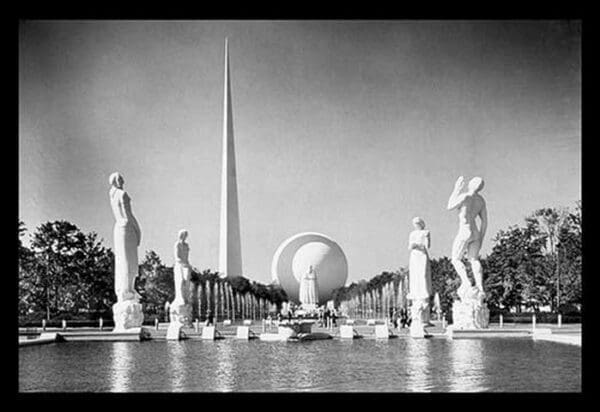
(456, 200)
(455, 197)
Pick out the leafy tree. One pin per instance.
(515, 271)
(569, 250)
(155, 284)
(445, 281)
(27, 291)
(65, 272)
(551, 222)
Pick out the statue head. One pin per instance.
(475, 184)
(116, 180)
(418, 223)
(182, 234)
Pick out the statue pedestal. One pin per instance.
(174, 332)
(127, 315)
(181, 312)
(419, 312)
(470, 312)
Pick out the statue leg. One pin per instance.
(473, 256)
(458, 250)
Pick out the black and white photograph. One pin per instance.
(291, 206)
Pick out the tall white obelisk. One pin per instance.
(230, 249)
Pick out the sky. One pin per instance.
(346, 128)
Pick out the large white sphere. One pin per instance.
(294, 256)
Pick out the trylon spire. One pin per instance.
(230, 249)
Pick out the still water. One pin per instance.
(396, 365)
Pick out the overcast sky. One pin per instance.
(345, 128)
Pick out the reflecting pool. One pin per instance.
(395, 365)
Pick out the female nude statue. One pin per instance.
(127, 236)
(468, 241)
(181, 269)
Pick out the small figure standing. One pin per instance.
(308, 293)
(167, 306)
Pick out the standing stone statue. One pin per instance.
(470, 311)
(127, 311)
(181, 308)
(309, 289)
(419, 276)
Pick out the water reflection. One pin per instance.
(177, 365)
(121, 360)
(304, 374)
(467, 372)
(224, 376)
(502, 364)
(417, 361)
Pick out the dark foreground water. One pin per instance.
(501, 364)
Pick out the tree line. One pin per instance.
(68, 274)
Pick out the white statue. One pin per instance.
(180, 308)
(126, 235)
(309, 289)
(419, 276)
(471, 311)
(181, 269)
(419, 269)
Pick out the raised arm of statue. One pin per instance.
(456, 198)
(484, 219)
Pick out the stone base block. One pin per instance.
(209, 333)
(382, 332)
(417, 330)
(346, 332)
(175, 332)
(470, 313)
(127, 315)
(243, 332)
(182, 313)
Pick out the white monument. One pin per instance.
(127, 312)
(293, 258)
(308, 293)
(419, 277)
(230, 249)
(470, 311)
(180, 310)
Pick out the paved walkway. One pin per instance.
(568, 333)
